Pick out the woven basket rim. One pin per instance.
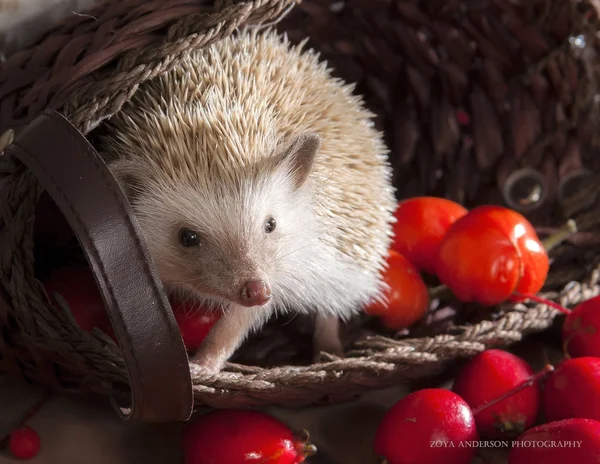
(92, 86)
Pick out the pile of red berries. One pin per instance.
(497, 396)
(488, 255)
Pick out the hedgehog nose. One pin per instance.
(255, 293)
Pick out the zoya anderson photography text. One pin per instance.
(506, 444)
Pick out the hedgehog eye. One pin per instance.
(270, 225)
(189, 238)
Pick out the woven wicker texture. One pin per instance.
(472, 89)
(468, 93)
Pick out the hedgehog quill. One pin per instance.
(261, 186)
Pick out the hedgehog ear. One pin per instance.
(128, 178)
(299, 156)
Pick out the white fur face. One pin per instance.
(303, 270)
(259, 225)
(237, 241)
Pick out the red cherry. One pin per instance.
(488, 376)
(236, 436)
(580, 330)
(77, 286)
(194, 322)
(427, 426)
(421, 224)
(490, 254)
(24, 443)
(580, 439)
(573, 389)
(407, 298)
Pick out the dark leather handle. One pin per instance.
(82, 186)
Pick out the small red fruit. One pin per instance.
(421, 224)
(236, 436)
(434, 415)
(407, 299)
(77, 286)
(573, 389)
(490, 254)
(24, 443)
(194, 323)
(580, 330)
(561, 442)
(487, 377)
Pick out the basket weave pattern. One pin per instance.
(510, 65)
(86, 68)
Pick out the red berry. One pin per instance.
(580, 334)
(194, 323)
(487, 377)
(77, 286)
(563, 442)
(421, 224)
(573, 389)
(433, 415)
(235, 436)
(491, 253)
(407, 299)
(24, 443)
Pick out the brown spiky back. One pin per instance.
(224, 109)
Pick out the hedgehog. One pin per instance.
(261, 186)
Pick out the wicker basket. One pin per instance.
(481, 101)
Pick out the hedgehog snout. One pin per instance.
(255, 293)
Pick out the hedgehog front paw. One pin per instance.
(200, 370)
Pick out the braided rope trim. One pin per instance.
(379, 362)
(90, 64)
(135, 68)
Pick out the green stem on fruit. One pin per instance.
(568, 229)
(527, 383)
(541, 300)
